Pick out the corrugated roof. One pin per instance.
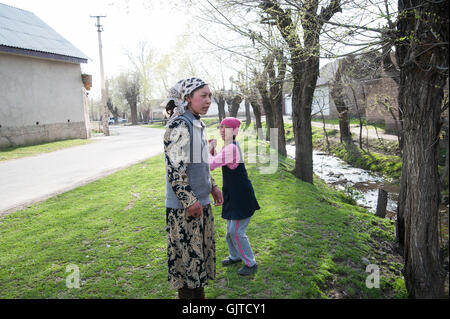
(22, 29)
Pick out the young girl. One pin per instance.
(239, 197)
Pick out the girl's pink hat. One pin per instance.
(232, 122)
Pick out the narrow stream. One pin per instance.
(362, 185)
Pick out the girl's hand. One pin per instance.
(212, 143)
(217, 196)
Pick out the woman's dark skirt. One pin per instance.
(191, 248)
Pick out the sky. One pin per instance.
(127, 23)
(160, 23)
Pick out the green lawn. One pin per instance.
(155, 125)
(23, 151)
(307, 239)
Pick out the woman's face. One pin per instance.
(201, 100)
(226, 133)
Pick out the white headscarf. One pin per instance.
(178, 93)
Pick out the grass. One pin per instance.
(24, 151)
(155, 125)
(307, 240)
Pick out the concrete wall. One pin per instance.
(382, 103)
(41, 101)
(321, 102)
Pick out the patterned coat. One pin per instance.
(190, 240)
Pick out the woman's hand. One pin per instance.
(195, 210)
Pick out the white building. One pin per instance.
(42, 97)
(322, 100)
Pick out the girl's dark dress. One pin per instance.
(238, 194)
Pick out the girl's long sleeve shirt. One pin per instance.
(228, 155)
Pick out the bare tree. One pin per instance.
(113, 109)
(253, 99)
(219, 97)
(233, 99)
(350, 73)
(129, 86)
(243, 84)
(276, 70)
(304, 61)
(261, 82)
(338, 92)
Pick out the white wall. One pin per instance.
(320, 101)
(214, 109)
(288, 104)
(36, 90)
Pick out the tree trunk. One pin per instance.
(337, 93)
(134, 115)
(256, 108)
(381, 203)
(248, 118)
(276, 95)
(446, 140)
(233, 105)
(305, 78)
(262, 88)
(421, 92)
(344, 125)
(325, 131)
(400, 223)
(279, 124)
(257, 112)
(423, 269)
(220, 100)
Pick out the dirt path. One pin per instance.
(354, 128)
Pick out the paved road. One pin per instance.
(36, 178)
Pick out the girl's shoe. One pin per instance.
(247, 271)
(228, 261)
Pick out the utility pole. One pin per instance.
(102, 78)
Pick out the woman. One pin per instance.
(190, 222)
(239, 197)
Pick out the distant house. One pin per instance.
(374, 97)
(42, 94)
(322, 100)
(382, 103)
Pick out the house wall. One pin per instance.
(354, 98)
(382, 103)
(41, 101)
(321, 102)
